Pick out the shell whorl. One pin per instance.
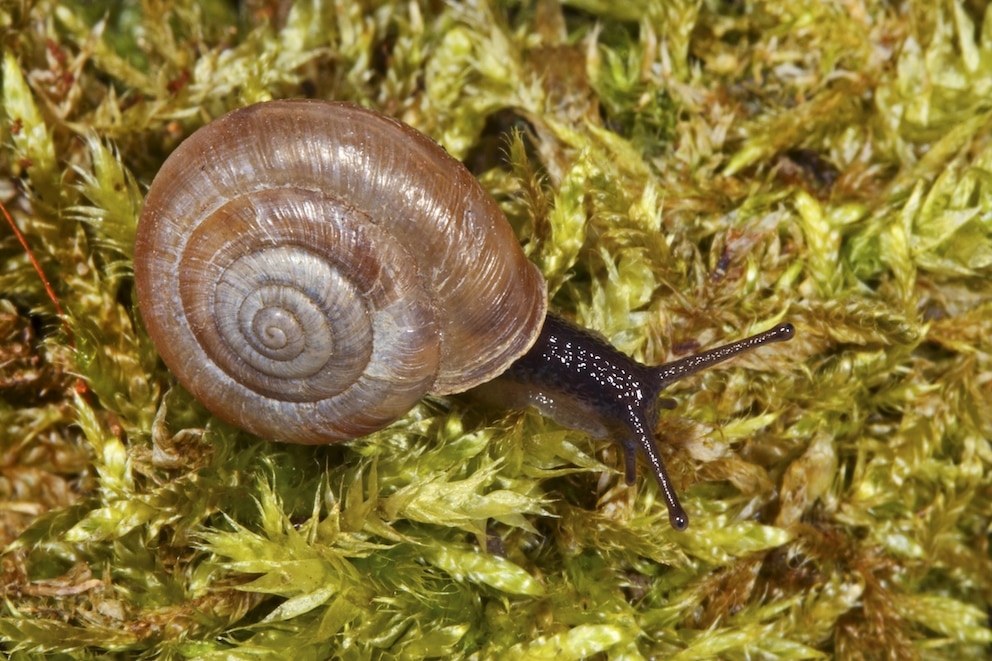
(309, 270)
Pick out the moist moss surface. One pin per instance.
(683, 173)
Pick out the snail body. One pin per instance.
(581, 381)
(309, 270)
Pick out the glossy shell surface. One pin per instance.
(309, 270)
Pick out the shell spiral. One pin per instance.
(309, 270)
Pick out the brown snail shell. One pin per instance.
(309, 270)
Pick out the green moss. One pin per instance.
(682, 173)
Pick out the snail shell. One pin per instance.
(309, 270)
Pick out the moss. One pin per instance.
(682, 173)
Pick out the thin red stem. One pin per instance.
(70, 338)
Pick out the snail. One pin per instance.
(309, 270)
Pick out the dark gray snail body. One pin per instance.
(578, 379)
(309, 270)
